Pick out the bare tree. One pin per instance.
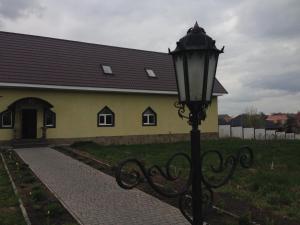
(252, 118)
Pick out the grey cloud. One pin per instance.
(270, 104)
(13, 9)
(281, 82)
(250, 94)
(274, 19)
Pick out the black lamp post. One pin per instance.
(195, 61)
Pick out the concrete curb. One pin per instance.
(23, 210)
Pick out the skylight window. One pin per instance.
(150, 73)
(107, 69)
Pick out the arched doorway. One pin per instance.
(29, 117)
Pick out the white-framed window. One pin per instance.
(49, 119)
(150, 72)
(106, 117)
(106, 69)
(149, 117)
(7, 119)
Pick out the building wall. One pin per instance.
(76, 113)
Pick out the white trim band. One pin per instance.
(79, 88)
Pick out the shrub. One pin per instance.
(37, 195)
(36, 188)
(254, 187)
(277, 199)
(23, 166)
(36, 207)
(26, 173)
(54, 209)
(269, 221)
(28, 179)
(245, 219)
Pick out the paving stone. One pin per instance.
(94, 197)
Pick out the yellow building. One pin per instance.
(62, 91)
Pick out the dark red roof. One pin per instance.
(28, 59)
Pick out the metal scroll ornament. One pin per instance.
(132, 172)
(181, 108)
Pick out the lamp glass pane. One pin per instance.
(196, 75)
(178, 60)
(212, 66)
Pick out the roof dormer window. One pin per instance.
(150, 73)
(107, 69)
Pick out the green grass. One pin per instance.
(10, 213)
(272, 183)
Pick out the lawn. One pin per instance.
(272, 184)
(10, 213)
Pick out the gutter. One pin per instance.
(97, 89)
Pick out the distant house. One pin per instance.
(292, 125)
(297, 117)
(238, 121)
(269, 125)
(224, 119)
(63, 91)
(245, 120)
(278, 118)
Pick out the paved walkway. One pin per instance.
(93, 197)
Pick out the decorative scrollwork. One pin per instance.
(244, 157)
(201, 112)
(167, 174)
(138, 174)
(181, 110)
(135, 176)
(185, 203)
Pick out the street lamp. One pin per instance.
(195, 62)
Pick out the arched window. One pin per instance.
(149, 117)
(6, 119)
(106, 117)
(49, 119)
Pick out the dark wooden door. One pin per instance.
(29, 123)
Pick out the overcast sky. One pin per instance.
(261, 64)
